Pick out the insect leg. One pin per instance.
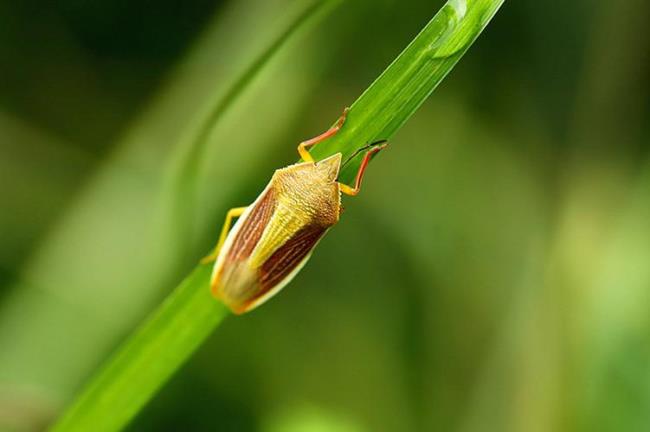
(232, 213)
(352, 191)
(303, 147)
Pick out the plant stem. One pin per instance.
(145, 362)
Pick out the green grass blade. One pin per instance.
(145, 362)
(187, 317)
(391, 100)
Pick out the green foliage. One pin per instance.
(491, 276)
(142, 365)
(101, 264)
(193, 148)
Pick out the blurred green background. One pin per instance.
(493, 275)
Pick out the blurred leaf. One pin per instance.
(309, 419)
(75, 296)
(37, 173)
(193, 149)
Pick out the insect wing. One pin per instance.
(233, 280)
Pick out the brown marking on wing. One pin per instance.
(251, 232)
(288, 256)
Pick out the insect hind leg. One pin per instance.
(232, 213)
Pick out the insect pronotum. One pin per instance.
(275, 235)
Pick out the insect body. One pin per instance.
(275, 236)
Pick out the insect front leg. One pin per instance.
(232, 213)
(352, 191)
(303, 147)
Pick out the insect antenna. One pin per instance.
(366, 147)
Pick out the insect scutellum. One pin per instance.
(275, 236)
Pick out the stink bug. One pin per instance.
(275, 236)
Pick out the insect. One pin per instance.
(275, 235)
